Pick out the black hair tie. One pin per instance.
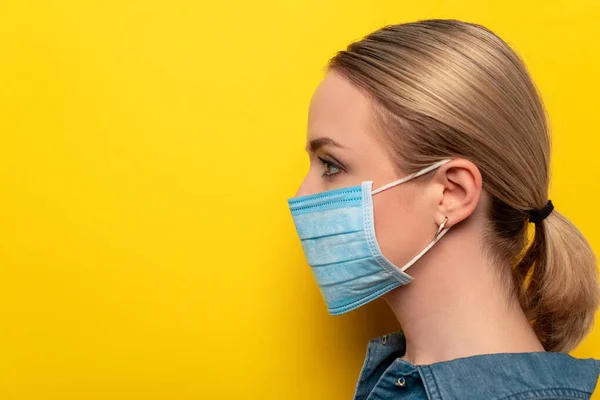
(537, 216)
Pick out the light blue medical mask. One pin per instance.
(337, 232)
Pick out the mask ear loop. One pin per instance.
(411, 176)
(442, 230)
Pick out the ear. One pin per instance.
(458, 188)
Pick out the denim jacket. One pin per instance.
(506, 376)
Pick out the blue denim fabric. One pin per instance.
(505, 376)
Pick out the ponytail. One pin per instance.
(557, 283)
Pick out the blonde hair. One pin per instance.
(446, 88)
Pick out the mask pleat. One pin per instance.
(329, 222)
(336, 249)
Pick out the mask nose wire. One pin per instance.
(409, 177)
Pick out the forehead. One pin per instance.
(339, 110)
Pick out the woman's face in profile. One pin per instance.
(345, 149)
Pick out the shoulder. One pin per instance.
(514, 376)
(504, 376)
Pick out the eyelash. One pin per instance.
(327, 165)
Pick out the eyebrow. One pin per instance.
(316, 144)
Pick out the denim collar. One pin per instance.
(487, 376)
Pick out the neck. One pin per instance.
(459, 308)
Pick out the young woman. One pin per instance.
(429, 149)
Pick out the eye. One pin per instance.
(329, 168)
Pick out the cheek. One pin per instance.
(402, 227)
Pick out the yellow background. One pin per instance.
(147, 151)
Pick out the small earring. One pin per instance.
(444, 223)
(442, 226)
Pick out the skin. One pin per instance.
(456, 306)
